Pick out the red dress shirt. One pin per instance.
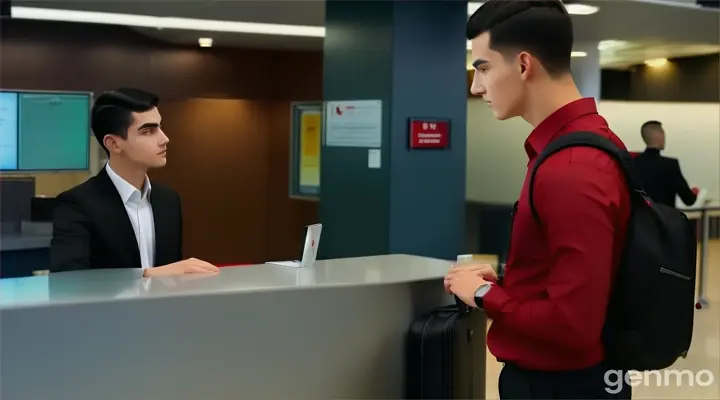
(549, 312)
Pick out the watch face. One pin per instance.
(482, 290)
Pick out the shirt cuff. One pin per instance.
(494, 300)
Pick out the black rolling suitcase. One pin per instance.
(446, 355)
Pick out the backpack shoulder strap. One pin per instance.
(586, 139)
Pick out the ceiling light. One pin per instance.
(573, 8)
(147, 21)
(611, 44)
(473, 6)
(656, 62)
(581, 9)
(205, 42)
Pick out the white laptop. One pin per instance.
(309, 253)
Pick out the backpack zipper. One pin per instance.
(673, 273)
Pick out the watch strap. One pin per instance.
(481, 292)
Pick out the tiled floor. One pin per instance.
(701, 367)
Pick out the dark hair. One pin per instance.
(647, 127)
(112, 111)
(542, 28)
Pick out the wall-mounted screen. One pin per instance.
(8, 131)
(45, 131)
(54, 131)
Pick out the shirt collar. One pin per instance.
(124, 188)
(652, 151)
(546, 131)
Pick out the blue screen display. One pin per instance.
(54, 131)
(8, 131)
(44, 131)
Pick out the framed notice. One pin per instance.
(353, 123)
(305, 140)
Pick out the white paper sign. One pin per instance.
(374, 158)
(354, 123)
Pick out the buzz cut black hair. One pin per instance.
(542, 28)
(112, 111)
(647, 128)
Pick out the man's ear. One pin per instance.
(525, 61)
(111, 143)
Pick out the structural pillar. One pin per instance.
(586, 70)
(379, 196)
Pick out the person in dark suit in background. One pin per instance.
(661, 175)
(119, 218)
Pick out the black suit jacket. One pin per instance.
(663, 179)
(91, 229)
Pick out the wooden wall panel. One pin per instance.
(51, 184)
(96, 58)
(228, 160)
(216, 161)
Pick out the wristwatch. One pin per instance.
(481, 292)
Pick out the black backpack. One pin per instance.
(649, 321)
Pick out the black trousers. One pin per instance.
(596, 382)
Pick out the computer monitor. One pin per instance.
(309, 250)
(16, 195)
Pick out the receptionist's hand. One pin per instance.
(189, 266)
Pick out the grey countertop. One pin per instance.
(120, 285)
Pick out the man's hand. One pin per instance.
(464, 284)
(485, 271)
(695, 190)
(189, 266)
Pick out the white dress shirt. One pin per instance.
(140, 213)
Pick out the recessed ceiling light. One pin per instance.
(473, 6)
(581, 9)
(611, 44)
(572, 8)
(656, 62)
(205, 42)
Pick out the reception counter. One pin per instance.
(333, 331)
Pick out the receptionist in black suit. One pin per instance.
(119, 218)
(661, 176)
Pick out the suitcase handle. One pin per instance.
(464, 308)
(452, 308)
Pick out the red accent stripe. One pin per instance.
(231, 265)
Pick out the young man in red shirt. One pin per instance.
(548, 312)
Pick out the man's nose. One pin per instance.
(477, 88)
(164, 139)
